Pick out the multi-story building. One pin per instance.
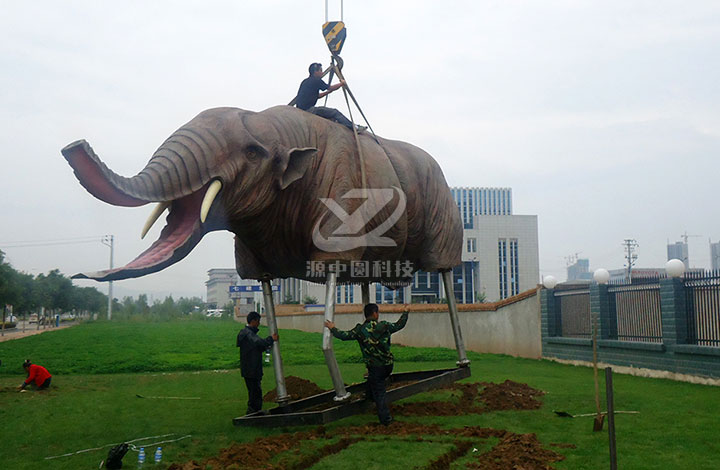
(679, 250)
(579, 270)
(218, 290)
(714, 255)
(218, 286)
(482, 201)
(503, 251)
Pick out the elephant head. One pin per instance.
(211, 173)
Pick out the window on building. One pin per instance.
(472, 245)
(514, 268)
(502, 271)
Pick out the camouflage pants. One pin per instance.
(376, 389)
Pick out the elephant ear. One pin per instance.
(292, 166)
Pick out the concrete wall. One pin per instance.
(508, 327)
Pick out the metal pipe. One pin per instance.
(452, 306)
(282, 395)
(611, 416)
(365, 288)
(338, 384)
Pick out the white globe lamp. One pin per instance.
(549, 282)
(601, 276)
(675, 268)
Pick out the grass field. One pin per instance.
(89, 407)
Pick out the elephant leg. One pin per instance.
(365, 289)
(282, 395)
(338, 384)
(454, 322)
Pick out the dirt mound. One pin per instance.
(508, 395)
(297, 388)
(518, 451)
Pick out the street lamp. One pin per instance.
(549, 282)
(601, 276)
(675, 268)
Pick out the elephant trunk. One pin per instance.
(178, 168)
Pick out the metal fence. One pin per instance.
(702, 291)
(574, 307)
(637, 307)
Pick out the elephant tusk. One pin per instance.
(156, 213)
(212, 191)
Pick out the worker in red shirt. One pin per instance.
(37, 374)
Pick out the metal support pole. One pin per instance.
(282, 395)
(452, 306)
(365, 288)
(327, 346)
(109, 240)
(611, 417)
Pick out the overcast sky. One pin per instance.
(602, 116)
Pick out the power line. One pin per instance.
(61, 241)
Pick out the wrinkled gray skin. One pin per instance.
(275, 166)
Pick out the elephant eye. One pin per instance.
(254, 153)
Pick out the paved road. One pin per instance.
(30, 329)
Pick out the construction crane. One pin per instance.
(685, 236)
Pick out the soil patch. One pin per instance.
(297, 388)
(508, 395)
(517, 451)
(514, 451)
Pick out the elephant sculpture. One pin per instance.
(271, 178)
(295, 189)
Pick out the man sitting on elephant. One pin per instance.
(309, 93)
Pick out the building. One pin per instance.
(579, 270)
(218, 286)
(503, 251)
(482, 201)
(679, 250)
(714, 255)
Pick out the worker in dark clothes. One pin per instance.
(309, 93)
(37, 374)
(374, 339)
(251, 350)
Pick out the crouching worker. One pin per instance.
(251, 351)
(37, 374)
(374, 339)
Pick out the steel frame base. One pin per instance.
(300, 412)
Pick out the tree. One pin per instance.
(10, 292)
(54, 290)
(309, 300)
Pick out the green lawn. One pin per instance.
(88, 407)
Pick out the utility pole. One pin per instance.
(109, 240)
(630, 255)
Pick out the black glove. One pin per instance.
(115, 456)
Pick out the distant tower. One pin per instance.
(714, 255)
(679, 250)
(579, 270)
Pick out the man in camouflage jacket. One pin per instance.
(374, 339)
